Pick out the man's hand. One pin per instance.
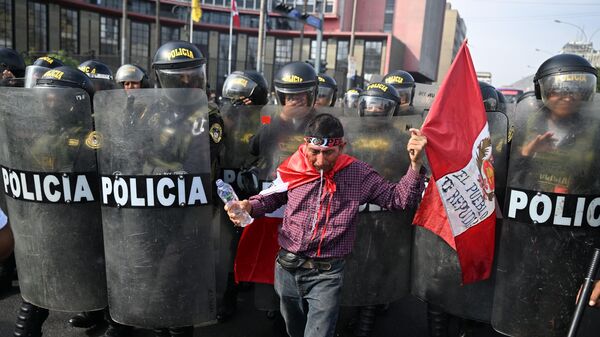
(416, 145)
(594, 300)
(541, 143)
(235, 208)
(7, 74)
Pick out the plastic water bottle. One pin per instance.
(227, 194)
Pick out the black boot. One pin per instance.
(229, 303)
(438, 321)
(366, 321)
(117, 330)
(7, 273)
(186, 331)
(30, 320)
(86, 320)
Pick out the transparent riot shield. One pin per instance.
(48, 164)
(378, 269)
(436, 273)
(424, 96)
(550, 218)
(157, 205)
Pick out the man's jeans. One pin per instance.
(310, 298)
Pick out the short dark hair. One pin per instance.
(324, 126)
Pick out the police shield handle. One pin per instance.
(587, 290)
(238, 215)
(415, 147)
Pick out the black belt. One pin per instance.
(292, 261)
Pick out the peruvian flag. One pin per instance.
(459, 203)
(235, 15)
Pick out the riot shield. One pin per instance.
(49, 175)
(550, 219)
(156, 198)
(378, 269)
(424, 96)
(435, 267)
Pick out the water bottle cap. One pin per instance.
(220, 182)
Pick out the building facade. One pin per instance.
(384, 38)
(455, 32)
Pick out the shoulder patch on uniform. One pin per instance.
(216, 132)
(93, 140)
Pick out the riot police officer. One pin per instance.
(100, 73)
(39, 68)
(31, 317)
(490, 96)
(327, 93)
(12, 68)
(404, 83)
(132, 76)
(246, 87)
(351, 98)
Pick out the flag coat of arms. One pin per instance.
(459, 202)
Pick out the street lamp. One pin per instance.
(576, 26)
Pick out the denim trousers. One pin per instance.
(310, 299)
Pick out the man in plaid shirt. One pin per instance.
(323, 188)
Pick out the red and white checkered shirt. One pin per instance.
(356, 184)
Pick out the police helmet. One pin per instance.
(404, 83)
(489, 95)
(565, 76)
(296, 78)
(351, 97)
(327, 93)
(246, 84)
(99, 73)
(180, 64)
(11, 60)
(39, 68)
(68, 77)
(132, 73)
(501, 102)
(378, 100)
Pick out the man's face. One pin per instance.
(129, 85)
(563, 104)
(296, 106)
(323, 158)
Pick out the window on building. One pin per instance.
(200, 39)
(141, 6)
(388, 18)
(329, 6)
(372, 58)
(169, 34)
(220, 2)
(107, 3)
(283, 53)
(251, 52)
(342, 55)
(313, 49)
(109, 36)
(69, 28)
(37, 24)
(208, 2)
(140, 39)
(223, 63)
(6, 23)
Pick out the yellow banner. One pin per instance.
(196, 10)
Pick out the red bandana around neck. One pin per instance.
(297, 171)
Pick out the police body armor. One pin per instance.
(378, 269)
(157, 206)
(435, 268)
(50, 179)
(550, 216)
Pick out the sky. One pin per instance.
(503, 35)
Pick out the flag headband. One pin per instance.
(325, 142)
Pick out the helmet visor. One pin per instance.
(32, 73)
(103, 84)
(404, 93)
(194, 77)
(296, 96)
(579, 87)
(239, 88)
(325, 96)
(369, 106)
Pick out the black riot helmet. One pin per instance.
(489, 95)
(327, 93)
(378, 100)
(404, 83)
(296, 78)
(11, 60)
(501, 102)
(99, 73)
(132, 73)
(180, 64)
(246, 84)
(351, 97)
(565, 76)
(39, 68)
(66, 77)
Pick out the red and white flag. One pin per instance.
(235, 15)
(459, 203)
